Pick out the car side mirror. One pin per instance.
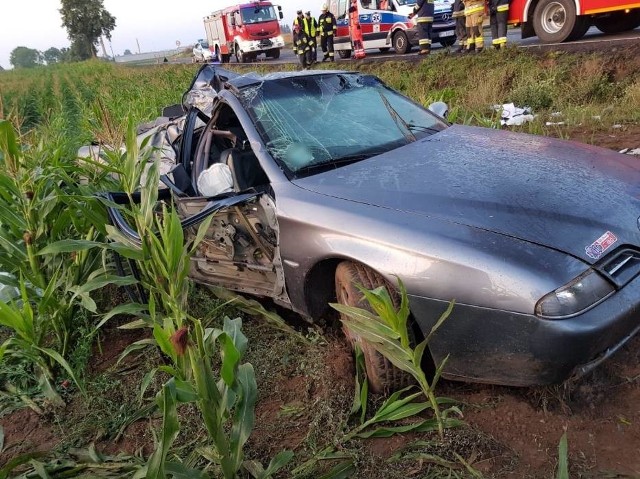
(280, 14)
(440, 108)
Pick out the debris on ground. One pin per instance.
(512, 115)
(631, 151)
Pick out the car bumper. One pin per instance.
(501, 347)
(439, 31)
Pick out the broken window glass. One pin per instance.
(311, 120)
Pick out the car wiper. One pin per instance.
(399, 121)
(333, 163)
(413, 127)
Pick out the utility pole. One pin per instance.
(104, 50)
(138, 45)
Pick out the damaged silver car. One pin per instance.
(320, 180)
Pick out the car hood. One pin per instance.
(559, 194)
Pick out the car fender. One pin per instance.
(434, 258)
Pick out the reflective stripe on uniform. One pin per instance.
(424, 41)
(425, 19)
(472, 10)
(331, 54)
(503, 8)
(502, 40)
(458, 14)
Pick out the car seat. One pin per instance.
(245, 169)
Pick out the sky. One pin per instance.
(154, 25)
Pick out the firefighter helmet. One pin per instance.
(325, 7)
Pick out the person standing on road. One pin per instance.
(328, 27)
(301, 45)
(297, 21)
(424, 10)
(474, 16)
(498, 15)
(461, 28)
(311, 29)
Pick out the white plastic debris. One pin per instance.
(635, 152)
(596, 117)
(7, 293)
(215, 180)
(554, 123)
(512, 115)
(556, 114)
(624, 150)
(617, 126)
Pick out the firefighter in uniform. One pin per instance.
(498, 14)
(297, 21)
(461, 29)
(301, 45)
(474, 16)
(311, 29)
(424, 9)
(328, 27)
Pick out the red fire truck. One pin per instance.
(554, 21)
(245, 31)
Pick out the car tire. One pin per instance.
(618, 22)
(381, 374)
(226, 58)
(218, 56)
(344, 54)
(448, 42)
(401, 42)
(384, 50)
(554, 20)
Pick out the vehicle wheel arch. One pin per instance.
(319, 287)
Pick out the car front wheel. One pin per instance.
(381, 374)
(401, 43)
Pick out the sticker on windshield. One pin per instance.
(602, 244)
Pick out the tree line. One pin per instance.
(86, 21)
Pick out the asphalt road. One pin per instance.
(593, 40)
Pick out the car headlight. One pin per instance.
(575, 297)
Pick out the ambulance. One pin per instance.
(385, 25)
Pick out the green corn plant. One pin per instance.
(562, 472)
(387, 331)
(50, 230)
(227, 403)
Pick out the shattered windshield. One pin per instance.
(258, 14)
(318, 122)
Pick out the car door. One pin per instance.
(240, 250)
